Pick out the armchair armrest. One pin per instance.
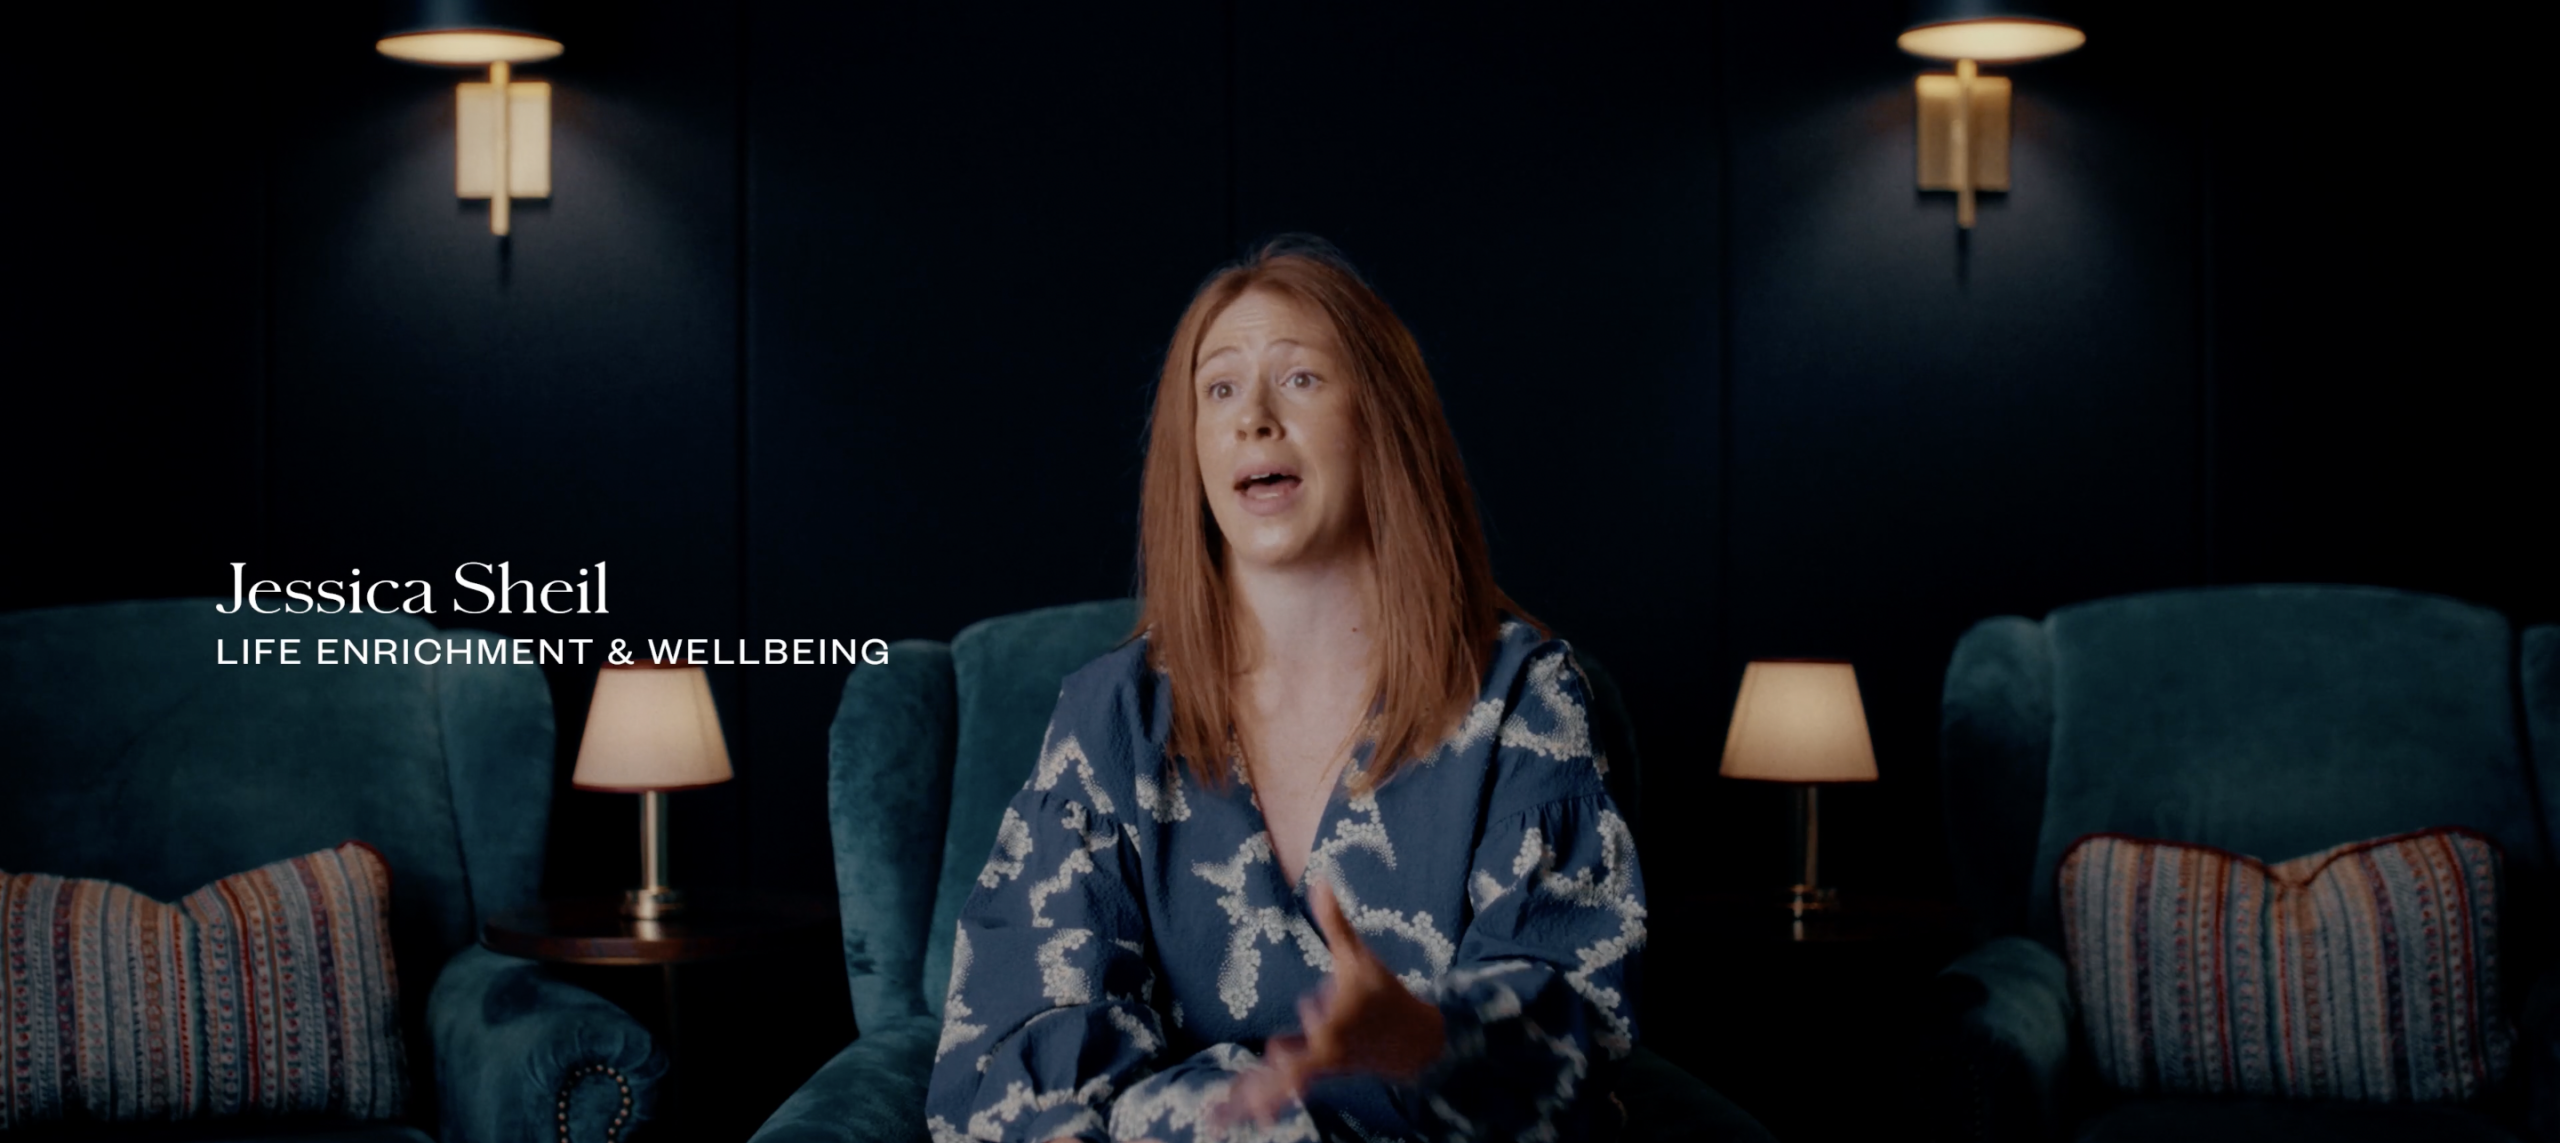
(524, 1058)
(2538, 1056)
(2007, 1019)
(1665, 1104)
(872, 1092)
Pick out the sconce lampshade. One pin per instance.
(651, 727)
(464, 33)
(1987, 31)
(1799, 721)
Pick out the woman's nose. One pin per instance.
(1257, 421)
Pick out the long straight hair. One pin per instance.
(1438, 609)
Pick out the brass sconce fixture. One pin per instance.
(502, 128)
(1964, 116)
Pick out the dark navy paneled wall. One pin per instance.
(570, 396)
(1928, 426)
(842, 321)
(1538, 190)
(969, 233)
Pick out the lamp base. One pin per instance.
(1806, 900)
(651, 904)
(1813, 913)
(653, 899)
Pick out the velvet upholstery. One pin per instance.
(2278, 722)
(2538, 1057)
(2273, 721)
(1999, 718)
(888, 791)
(925, 752)
(872, 1092)
(2197, 1120)
(1006, 673)
(242, 1131)
(131, 754)
(1614, 734)
(1668, 1105)
(2538, 1038)
(510, 1038)
(2008, 1003)
(2538, 670)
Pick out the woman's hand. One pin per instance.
(1361, 1019)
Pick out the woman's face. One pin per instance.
(1277, 436)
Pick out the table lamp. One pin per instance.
(651, 729)
(1799, 721)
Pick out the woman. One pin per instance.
(1323, 851)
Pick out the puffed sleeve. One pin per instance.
(1048, 1013)
(1538, 998)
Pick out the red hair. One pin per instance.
(1438, 611)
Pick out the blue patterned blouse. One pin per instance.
(1131, 942)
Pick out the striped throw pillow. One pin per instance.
(267, 992)
(2367, 972)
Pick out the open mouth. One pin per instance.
(1272, 485)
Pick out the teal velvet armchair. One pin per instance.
(128, 753)
(2272, 721)
(925, 753)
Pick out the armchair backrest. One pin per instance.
(1007, 672)
(128, 752)
(928, 748)
(2273, 721)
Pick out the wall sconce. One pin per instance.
(1964, 117)
(502, 129)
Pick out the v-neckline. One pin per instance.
(1270, 840)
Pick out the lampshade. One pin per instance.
(651, 727)
(467, 33)
(1799, 721)
(1987, 31)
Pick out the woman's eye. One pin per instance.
(1219, 390)
(1301, 380)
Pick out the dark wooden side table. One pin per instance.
(1819, 1031)
(592, 930)
(592, 933)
